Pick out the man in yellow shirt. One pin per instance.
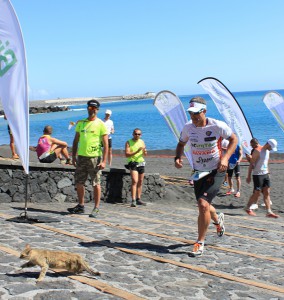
(90, 133)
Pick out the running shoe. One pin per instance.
(230, 192)
(197, 250)
(220, 227)
(263, 204)
(68, 161)
(133, 203)
(139, 202)
(78, 209)
(272, 215)
(254, 206)
(94, 213)
(225, 183)
(250, 212)
(238, 194)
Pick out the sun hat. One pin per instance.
(197, 104)
(108, 112)
(273, 144)
(93, 103)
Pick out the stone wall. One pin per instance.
(55, 183)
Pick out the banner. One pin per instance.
(275, 103)
(171, 108)
(13, 80)
(229, 108)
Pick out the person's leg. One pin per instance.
(12, 147)
(81, 175)
(238, 179)
(134, 182)
(140, 187)
(253, 199)
(95, 174)
(80, 193)
(225, 182)
(97, 195)
(237, 171)
(209, 186)
(61, 150)
(110, 156)
(267, 202)
(203, 219)
(230, 182)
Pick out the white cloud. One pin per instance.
(38, 94)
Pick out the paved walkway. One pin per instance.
(142, 254)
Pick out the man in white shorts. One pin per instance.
(205, 136)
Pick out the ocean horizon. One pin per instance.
(130, 114)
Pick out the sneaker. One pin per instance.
(230, 192)
(225, 183)
(94, 213)
(238, 195)
(220, 226)
(250, 212)
(197, 250)
(68, 161)
(254, 206)
(133, 203)
(78, 209)
(272, 215)
(263, 204)
(139, 202)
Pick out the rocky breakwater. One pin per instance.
(43, 109)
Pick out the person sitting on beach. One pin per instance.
(110, 128)
(135, 149)
(49, 149)
(258, 168)
(12, 143)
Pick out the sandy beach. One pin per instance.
(178, 190)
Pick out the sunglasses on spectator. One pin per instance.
(137, 133)
(92, 108)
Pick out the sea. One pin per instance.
(130, 114)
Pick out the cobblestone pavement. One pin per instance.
(142, 253)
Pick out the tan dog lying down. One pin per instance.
(54, 259)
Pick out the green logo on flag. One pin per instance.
(7, 58)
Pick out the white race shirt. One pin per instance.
(205, 143)
(109, 126)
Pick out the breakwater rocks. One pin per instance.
(43, 109)
(55, 183)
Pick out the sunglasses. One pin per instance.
(92, 107)
(196, 113)
(137, 133)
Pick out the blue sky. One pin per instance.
(118, 47)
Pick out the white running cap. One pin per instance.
(108, 112)
(273, 144)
